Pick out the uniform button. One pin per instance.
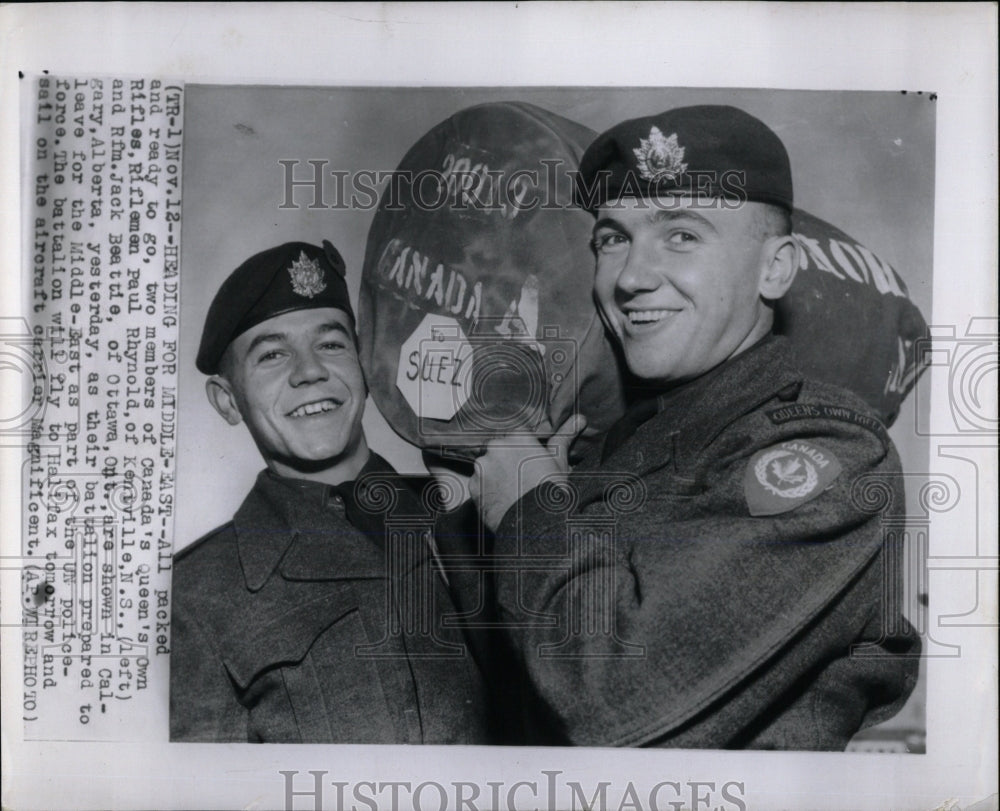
(790, 392)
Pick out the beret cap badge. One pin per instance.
(659, 157)
(307, 276)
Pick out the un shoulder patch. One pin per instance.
(782, 477)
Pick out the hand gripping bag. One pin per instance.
(476, 316)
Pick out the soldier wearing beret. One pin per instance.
(303, 619)
(725, 573)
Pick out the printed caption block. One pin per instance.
(102, 230)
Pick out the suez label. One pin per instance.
(438, 369)
(433, 372)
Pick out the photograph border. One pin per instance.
(936, 48)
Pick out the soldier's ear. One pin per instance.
(223, 399)
(779, 264)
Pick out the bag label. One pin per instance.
(434, 364)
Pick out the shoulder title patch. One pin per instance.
(804, 411)
(782, 477)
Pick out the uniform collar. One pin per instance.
(721, 377)
(691, 415)
(710, 404)
(280, 510)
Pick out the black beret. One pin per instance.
(293, 276)
(711, 150)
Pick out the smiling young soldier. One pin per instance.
(289, 622)
(746, 594)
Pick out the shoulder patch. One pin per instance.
(805, 411)
(784, 476)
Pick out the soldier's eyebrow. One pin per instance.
(278, 337)
(333, 326)
(264, 338)
(667, 216)
(609, 222)
(656, 217)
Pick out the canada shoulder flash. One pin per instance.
(780, 478)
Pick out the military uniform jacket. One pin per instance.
(294, 624)
(728, 577)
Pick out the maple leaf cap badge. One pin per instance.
(307, 276)
(660, 157)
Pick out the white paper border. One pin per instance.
(949, 49)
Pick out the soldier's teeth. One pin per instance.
(646, 316)
(309, 409)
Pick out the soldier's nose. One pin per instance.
(308, 368)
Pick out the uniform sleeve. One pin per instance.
(691, 622)
(203, 705)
